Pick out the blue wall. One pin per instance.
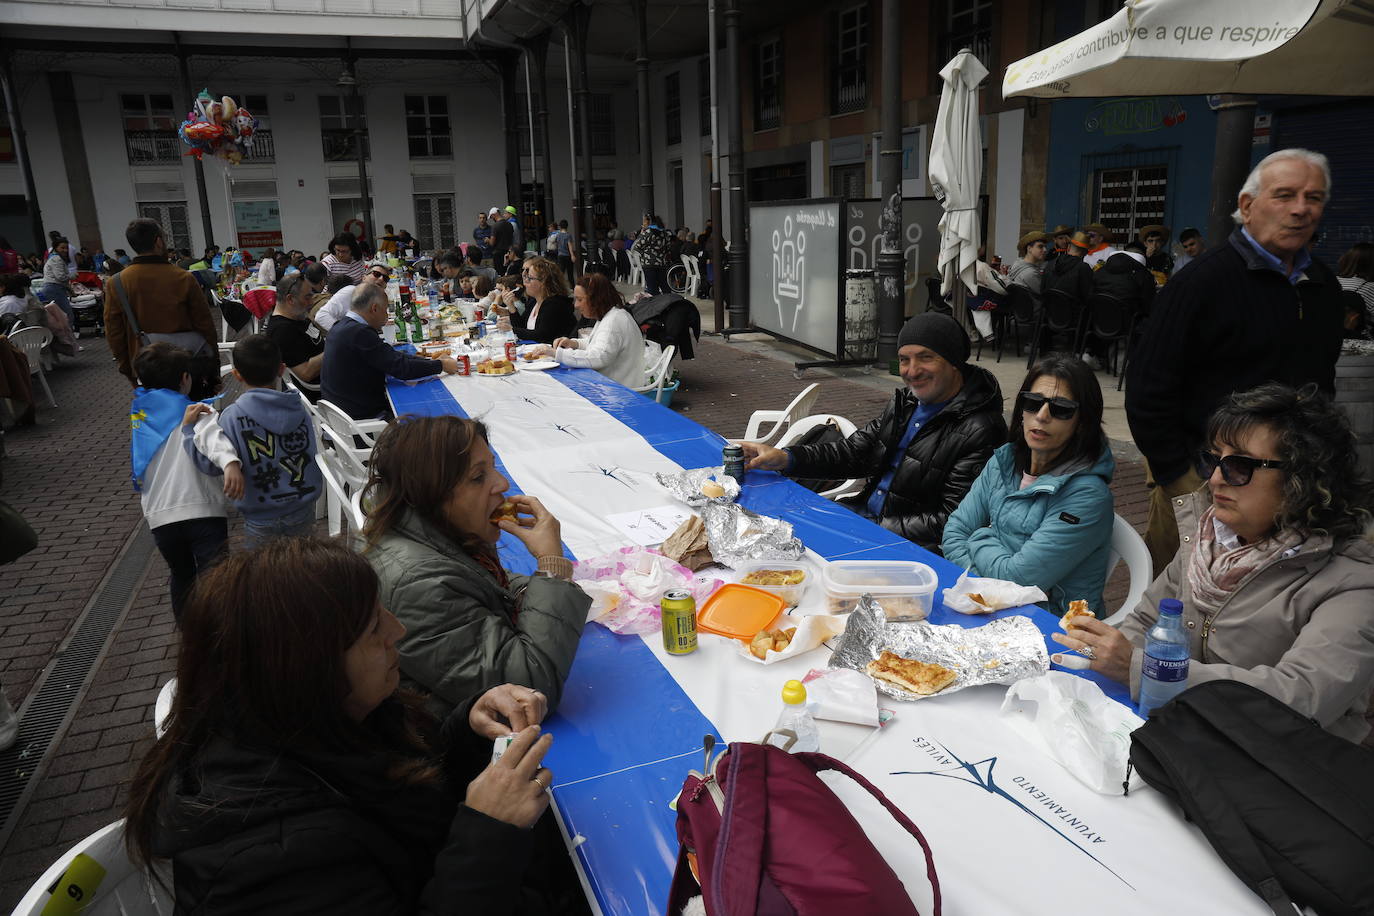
(1083, 127)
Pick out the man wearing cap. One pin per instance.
(1061, 234)
(1099, 245)
(925, 450)
(516, 229)
(1069, 273)
(1155, 238)
(1028, 270)
(1256, 308)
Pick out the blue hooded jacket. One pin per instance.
(275, 442)
(1055, 534)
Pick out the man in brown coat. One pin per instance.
(164, 298)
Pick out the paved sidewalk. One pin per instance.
(69, 477)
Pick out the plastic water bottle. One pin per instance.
(797, 718)
(1164, 673)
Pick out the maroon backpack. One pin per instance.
(762, 835)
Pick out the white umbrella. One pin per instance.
(1187, 47)
(956, 165)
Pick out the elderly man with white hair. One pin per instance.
(1256, 309)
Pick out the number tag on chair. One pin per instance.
(76, 887)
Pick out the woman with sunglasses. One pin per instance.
(1041, 512)
(1274, 569)
(548, 313)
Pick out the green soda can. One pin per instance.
(679, 622)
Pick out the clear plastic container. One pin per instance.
(762, 570)
(904, 588)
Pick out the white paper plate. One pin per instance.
(539, 365)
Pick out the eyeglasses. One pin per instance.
(1236, 470)
(380, 275)
(528, 275)
(1060, 408)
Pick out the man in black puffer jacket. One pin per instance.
(930, 444)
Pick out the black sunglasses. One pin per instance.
(380, 275)
(1236, 470)
(1060, 408)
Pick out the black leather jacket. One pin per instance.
(938, 468)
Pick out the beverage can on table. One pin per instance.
(464, 363)
(733, 458)
(477, 313)
(679, 622)
(510, 349)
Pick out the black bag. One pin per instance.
(1287, 806)
(829, 431)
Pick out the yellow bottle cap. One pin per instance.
(794, 692)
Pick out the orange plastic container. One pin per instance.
(739, 611)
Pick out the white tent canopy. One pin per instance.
(1189, 47)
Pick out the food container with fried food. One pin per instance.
(785, 578)
(904, 589)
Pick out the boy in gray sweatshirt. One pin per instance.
(274, 439)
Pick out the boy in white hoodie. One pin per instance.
(185, 509)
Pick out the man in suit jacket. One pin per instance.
(357, 360)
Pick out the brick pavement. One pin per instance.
(69, 476)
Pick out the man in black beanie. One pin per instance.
(930, 444)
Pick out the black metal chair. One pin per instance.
(998, 313)
(1112, 322)
(1060, 313)
(1017, 312)
(934, 301)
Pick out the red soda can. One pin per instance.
(478, 314)
(464, 363)
(510, 351)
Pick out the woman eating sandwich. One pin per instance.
(436, 510)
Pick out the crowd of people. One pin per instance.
(403, 661)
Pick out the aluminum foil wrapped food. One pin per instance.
(688, 486)
(1000, 652)
(735, 535)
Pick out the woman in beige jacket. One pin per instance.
(1274, 569)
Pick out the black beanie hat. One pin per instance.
(937, 332)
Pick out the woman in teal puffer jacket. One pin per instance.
(1041, 512)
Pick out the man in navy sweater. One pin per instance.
(1256, 309)
(357, 360)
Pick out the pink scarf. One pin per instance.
(1215, 572)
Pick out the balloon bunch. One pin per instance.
(220, 128)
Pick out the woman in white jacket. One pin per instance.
(615, 346)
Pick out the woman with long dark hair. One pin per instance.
(1275, 568)
(1040, 513)
(294, 776)
(431, 535)
(615, 346)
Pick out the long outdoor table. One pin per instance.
(1012, 831)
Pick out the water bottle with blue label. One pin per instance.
(1164, 672)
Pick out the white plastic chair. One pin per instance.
(636, 268)
(693, 274)
(124, 889)
(338, 420)
(656, 373)
(300, 383)
(343, 493)
(1129, 546)
(163, 707)
(780, 419)
(33, 341)
(851, 487)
